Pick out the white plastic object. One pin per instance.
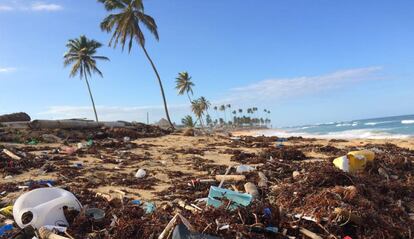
(244, 169)
(46, 206)
(140, 173)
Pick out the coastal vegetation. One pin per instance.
(125, 22)
(81, 55)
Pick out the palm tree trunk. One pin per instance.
(189, 98)
(93, 102)
(161, 87)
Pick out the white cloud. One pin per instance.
(6, 8)
(7, 69)
(21, 5)
(261, 92)
(268, 90)
(113, 113)
(40, 6)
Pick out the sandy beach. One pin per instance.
(105, 170)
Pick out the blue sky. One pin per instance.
(307, 61)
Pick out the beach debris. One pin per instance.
(141, 173)
(182, 232)
(189, 132)
(6, 228)
(68, 150)
(149, 207)
(295, 174)
(230, 178)
(309, 234)
(95, 213)
(50, 138)
(347, 216)
(46, 233)
(354, 161)
(11, 154)
(7, 211)
(43, 206)
(244, 169)
(263, 181)
(236, 199)
(251, 189)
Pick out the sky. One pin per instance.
(306, 61)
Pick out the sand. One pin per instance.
(165, 161)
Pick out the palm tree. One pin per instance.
(184, 84)
(188, 121)
(205, 104)
(223, 108)
(126, 19)
(198, 109)
(82, 56)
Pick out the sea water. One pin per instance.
(378, 128)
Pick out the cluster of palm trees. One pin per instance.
(199, 106)
(125, 21)
(239, 119)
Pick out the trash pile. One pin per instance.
(276, 193)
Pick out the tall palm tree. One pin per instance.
(223, 108)
(205, 104)
(81, 54)
(198, 110)
(184, 84)
(125, 21)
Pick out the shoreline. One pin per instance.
(357, 142)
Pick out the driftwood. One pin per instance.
(11, 154)
(230, 178)
(309, 234)
(15, 117)
(168, 228)
(73, 124)
(47, 234)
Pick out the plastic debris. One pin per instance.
(95, 213)
(182, 232)
(7, 211)
(354, 161)
(244, 169)
(44, 206)
(4, 229)
(237, 199)
(149, 207)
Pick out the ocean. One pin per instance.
(396, 127)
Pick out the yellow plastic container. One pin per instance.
(7, 211)
(354, 161)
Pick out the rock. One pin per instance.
(140, 173)
(15, 117)
(189, 132)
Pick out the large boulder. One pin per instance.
(15, 117)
